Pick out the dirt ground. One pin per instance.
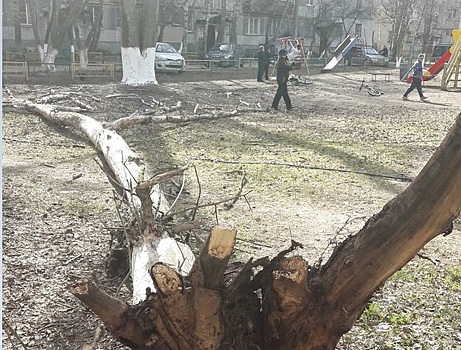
(314, 175)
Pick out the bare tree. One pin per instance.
(222, 22)
(325, 24)
(170, 12)
(62, 16)
(399, 14)
(349, 11)
(86, 32)
(139, 34)
(427, 23)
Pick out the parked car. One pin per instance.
(225, 55)
(439, 50)
(373, 58)
(167, 59)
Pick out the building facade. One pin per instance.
(199, 24)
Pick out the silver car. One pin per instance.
(167, 59)
(373, 58)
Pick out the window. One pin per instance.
(112, 20)
(310, 2)
(254, 26)
(275, 23)
(118, 18)
(451, 14)
(358, 30)
(24, 13)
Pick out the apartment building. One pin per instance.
(201, 23)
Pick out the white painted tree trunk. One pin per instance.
(49, 59)
(83, 58)
(138, 67)
(41, 52)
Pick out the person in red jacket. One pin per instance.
(283, 72)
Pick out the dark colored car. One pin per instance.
(225, 55)
(439, 50)
(366, 55)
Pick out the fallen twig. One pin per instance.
(13, 331)
(301, 166)
(243, 182)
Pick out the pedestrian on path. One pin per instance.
(283, 72)
(417, 79)
(261, 63)
(267, 56)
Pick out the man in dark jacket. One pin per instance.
(261, 63)
(283, 71)
(417, 79)
(267, 55)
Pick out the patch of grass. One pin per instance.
(453, 278)
(373, 314)
(401, 319)
(404, 275)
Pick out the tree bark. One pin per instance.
(153, 245)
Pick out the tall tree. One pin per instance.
(349, 11)
(399, 14)
(222, 22)
(139, 34)
(62, 16)
(427, 22)
(326, 25)
(170, 12)
(86, 32)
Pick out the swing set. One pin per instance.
(297, 57)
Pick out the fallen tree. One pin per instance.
(283, 303)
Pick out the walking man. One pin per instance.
(261, 63)
(267, 55)
(283, 71)
(417, 79)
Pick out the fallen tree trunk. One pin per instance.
(152, 245)
(283, 303)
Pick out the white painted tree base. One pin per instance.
(138, 67)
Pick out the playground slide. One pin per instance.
(435, 69)
(339, 53)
